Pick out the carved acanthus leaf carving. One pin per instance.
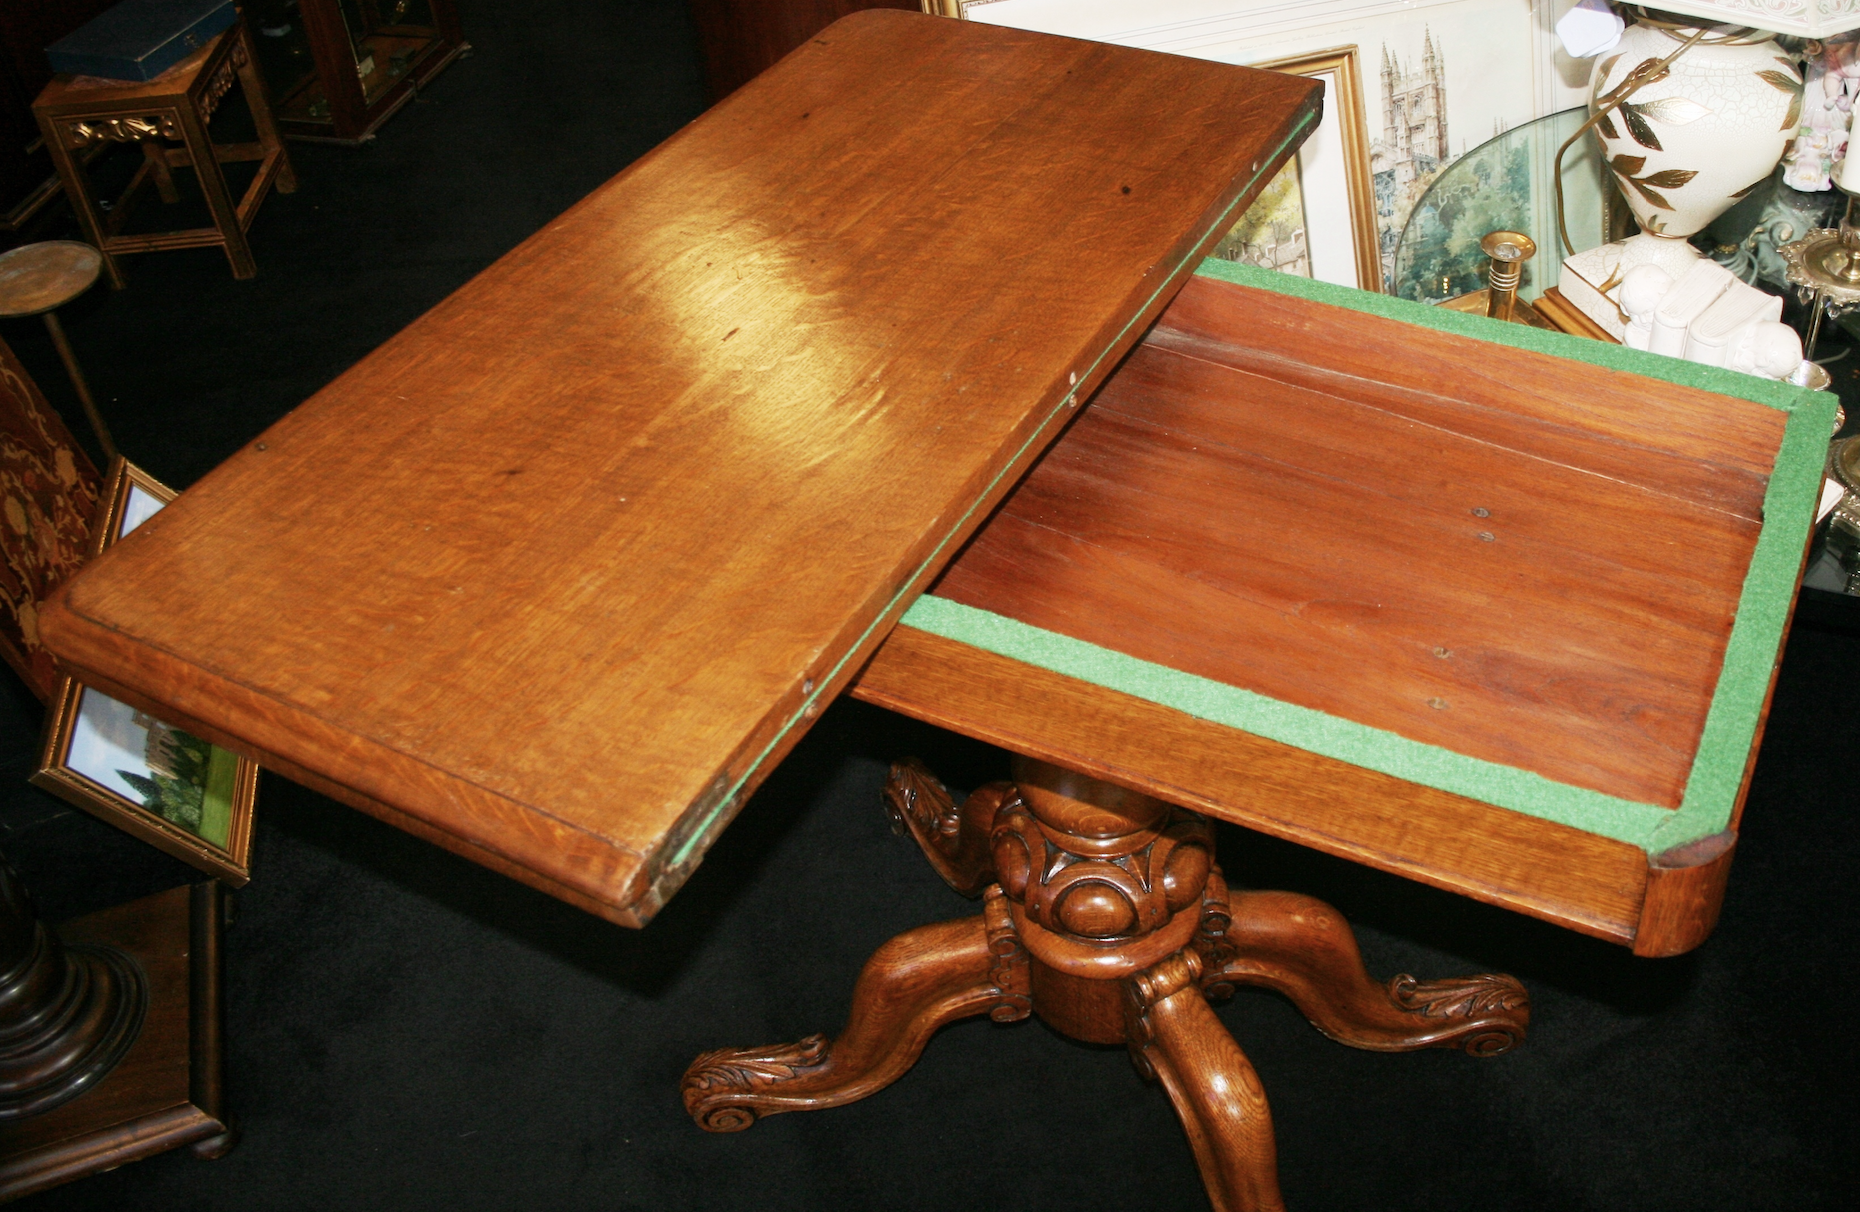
(954, 838)
(720, 1086)
(222, 82)
(1491, 995)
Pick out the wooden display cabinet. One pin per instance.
(338, 69)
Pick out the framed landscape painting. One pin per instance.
(157, 782)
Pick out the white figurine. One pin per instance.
(1726, 324)
(1641, 291)
(1697, 289)
(1770, 349)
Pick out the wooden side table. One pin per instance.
(78, 112)
(37, 280)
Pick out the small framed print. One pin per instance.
(1317, 217)
(150, 779)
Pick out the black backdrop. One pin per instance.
(410, 1031)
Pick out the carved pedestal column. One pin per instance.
(67, 1015)
(1105, 914)
(110, 1040)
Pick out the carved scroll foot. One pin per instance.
(1176, 1039)
(953, 837)
(1303, 948)
(914, 984)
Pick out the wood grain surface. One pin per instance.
(1522, 559)
(562, 569)
(1591, 884)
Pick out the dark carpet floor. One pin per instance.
(410, 1031)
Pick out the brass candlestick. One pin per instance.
(1509, 251)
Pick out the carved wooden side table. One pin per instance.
(78, 112)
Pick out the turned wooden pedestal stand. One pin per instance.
(110, 1037)
(1104, 913)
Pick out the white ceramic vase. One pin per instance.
(1687, 146)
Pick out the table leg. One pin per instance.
(212, 178)
(1303, 948)
(67, 1016)
(914, 984)
(262, 118)
(80, 385)
(83, 202)
(1176, 1039)
(156, 156)
(1104, 914)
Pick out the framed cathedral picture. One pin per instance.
(150, 779)
(1434, 80)
(1317, 218)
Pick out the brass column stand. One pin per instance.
(1824, 267)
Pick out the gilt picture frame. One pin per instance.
(182, 795)
(1332, 183)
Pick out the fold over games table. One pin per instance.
(555, 576)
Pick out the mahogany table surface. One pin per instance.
(1470, 606)
(558, 573)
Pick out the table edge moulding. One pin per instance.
(823, 316)
(1640, 874)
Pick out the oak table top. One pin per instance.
(557, 574)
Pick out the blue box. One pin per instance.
(140, 39)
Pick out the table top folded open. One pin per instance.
(556, 575)
(1494, 608)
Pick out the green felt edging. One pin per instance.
(1730, 723)
(698, 835)
(1309, 729)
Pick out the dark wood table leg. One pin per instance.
(1104, 912)
(67, 1014)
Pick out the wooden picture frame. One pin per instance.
(1333, 178)
(89, 756)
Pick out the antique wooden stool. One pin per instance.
(37, 280)
(78, 112)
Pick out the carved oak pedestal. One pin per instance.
(1104, 913)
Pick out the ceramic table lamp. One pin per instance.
(1684, 146)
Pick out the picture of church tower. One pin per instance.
(1413, 146)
